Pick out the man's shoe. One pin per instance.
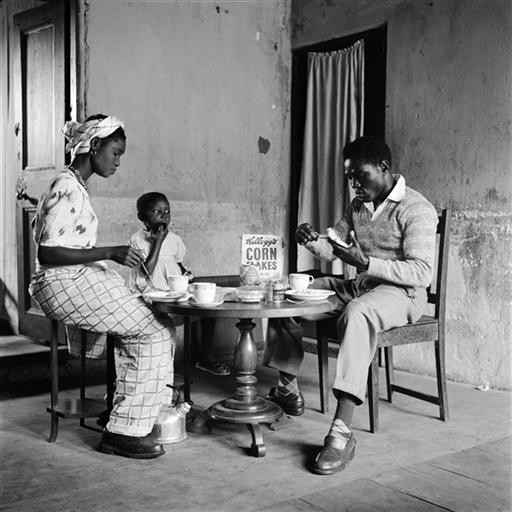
(334, 456)
(292, 404)
(130, 446)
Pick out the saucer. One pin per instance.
(166, 296)
(309, 294)
(213, 304)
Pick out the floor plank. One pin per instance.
(499, 447)
(447, 490)
(367, 495)
(479, 465)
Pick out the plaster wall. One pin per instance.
(448, 123)
(203, 89)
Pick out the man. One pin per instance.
(389, 230)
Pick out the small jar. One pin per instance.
(277, 291)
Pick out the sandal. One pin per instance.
(214, 367)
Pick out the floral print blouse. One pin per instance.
(64, 216)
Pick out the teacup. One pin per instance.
(300, 281)
(204, 292)
(178, 283)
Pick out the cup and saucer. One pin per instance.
(204, 295)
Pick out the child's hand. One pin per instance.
(159, 234)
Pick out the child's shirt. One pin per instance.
(172, 252)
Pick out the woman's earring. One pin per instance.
(93, 152)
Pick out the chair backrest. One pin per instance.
(438, 297)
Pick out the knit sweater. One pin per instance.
(399, 237)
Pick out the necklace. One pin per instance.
(78, 176)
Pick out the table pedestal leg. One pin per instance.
(246, 407)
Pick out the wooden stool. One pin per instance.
(82, 407)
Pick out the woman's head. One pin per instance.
(153, 210)
(101, 139)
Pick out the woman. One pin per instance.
(72, 284)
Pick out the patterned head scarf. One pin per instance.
(79, 135)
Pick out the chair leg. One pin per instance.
(388, 355)
(187, 357)
(441, 379)
(323, 372)
(54, 371)
(373, 394)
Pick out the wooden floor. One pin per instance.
(414, 463)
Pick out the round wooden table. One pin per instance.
(245, 407)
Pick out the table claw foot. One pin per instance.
(257, 447)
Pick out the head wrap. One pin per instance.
(79, 135)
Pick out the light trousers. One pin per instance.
(364, 308)
(96, 299)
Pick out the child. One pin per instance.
(163, 252)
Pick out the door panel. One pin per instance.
(39, 104)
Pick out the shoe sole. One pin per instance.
(113, 450)
(335, 470)
(292, 412)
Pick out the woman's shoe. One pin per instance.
(292, 404)
(130, 446)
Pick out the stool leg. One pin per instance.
(54, 372)
(83, 340)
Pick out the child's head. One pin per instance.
(153, 210)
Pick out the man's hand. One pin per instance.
(305, 233)
(352, 255)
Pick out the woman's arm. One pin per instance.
(123, 254)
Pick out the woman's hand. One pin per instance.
(305, 233)
(352, 255)
(126, 255)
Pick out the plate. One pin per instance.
(166, 296)
(193, 302)
(250, 300)
(309, 294)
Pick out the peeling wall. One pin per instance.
(448, 122)
(204, 91)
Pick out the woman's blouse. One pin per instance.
(64, 216)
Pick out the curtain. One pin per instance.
(334, 117)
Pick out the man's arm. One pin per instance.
(321, 247)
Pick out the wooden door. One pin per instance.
(40, 103)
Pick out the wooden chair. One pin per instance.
(426, 329)
(81, 407)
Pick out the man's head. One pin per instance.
(367, 162)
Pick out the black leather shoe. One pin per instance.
(130, 446)
(291, 404)
(334, 456)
